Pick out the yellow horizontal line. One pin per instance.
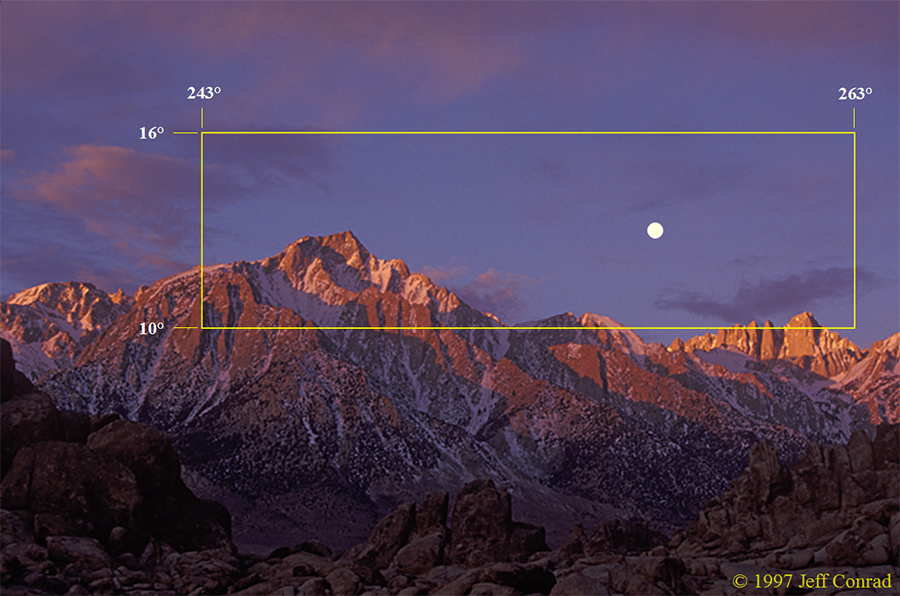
(190, 132)
(186, 328)
(497, 328)
(518, 132)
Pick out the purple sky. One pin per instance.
(526, 227)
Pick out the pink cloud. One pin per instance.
(501, 294)
(441, 274)
(7, 154)
(145, 201)
(105, 184)
(446, 50)
(442, 49)
(97, 174)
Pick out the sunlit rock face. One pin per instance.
(51, 324)
(820, 351)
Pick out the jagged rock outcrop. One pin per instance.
(483, 531)
(821, 351)
(50, 325)
(774, 519)
(770, 506)
(843, 534)
(875, 381)
(405, 553)
(94, 512)
(14, 382)
(835, 507)
(428, 539)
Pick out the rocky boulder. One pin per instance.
(432, 515)
(648, 575)
(146, 451)
(836, 506)
(866, 542)
(411, 546)
(72, 490)
(7, 370)
(428, 540)
(28, 416)
(482, 530)
(389, 536)
(481, 524)
(410, 539)
(421, 554)
(622, 536)
(84, 552)
(12, 381)
(172, 513)
(26, 420)
(886, 447)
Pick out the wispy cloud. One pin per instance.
(776, 295)
(125, 213)
(441, 50)
(663, 183)
(119, 193)
(501, 294)
(143, 207)
(439, 275)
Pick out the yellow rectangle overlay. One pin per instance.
(203, 133)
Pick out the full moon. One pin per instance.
(655, 230)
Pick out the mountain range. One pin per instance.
(318, 432)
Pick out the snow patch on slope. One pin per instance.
(628, 339)
(735, 362)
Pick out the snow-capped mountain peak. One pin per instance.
(348, 374)
(821, 351)
(51, 324)
(313, 262)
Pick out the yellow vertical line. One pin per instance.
(201, 117)
(201, 226)
(854, 118)
(854, 228)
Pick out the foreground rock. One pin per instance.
(97, 505)
(483, 530)
(411, 551)
(806, 521)
(171, 512)
(834, 516)
(836, 511)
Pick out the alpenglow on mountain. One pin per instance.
(306, 431)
